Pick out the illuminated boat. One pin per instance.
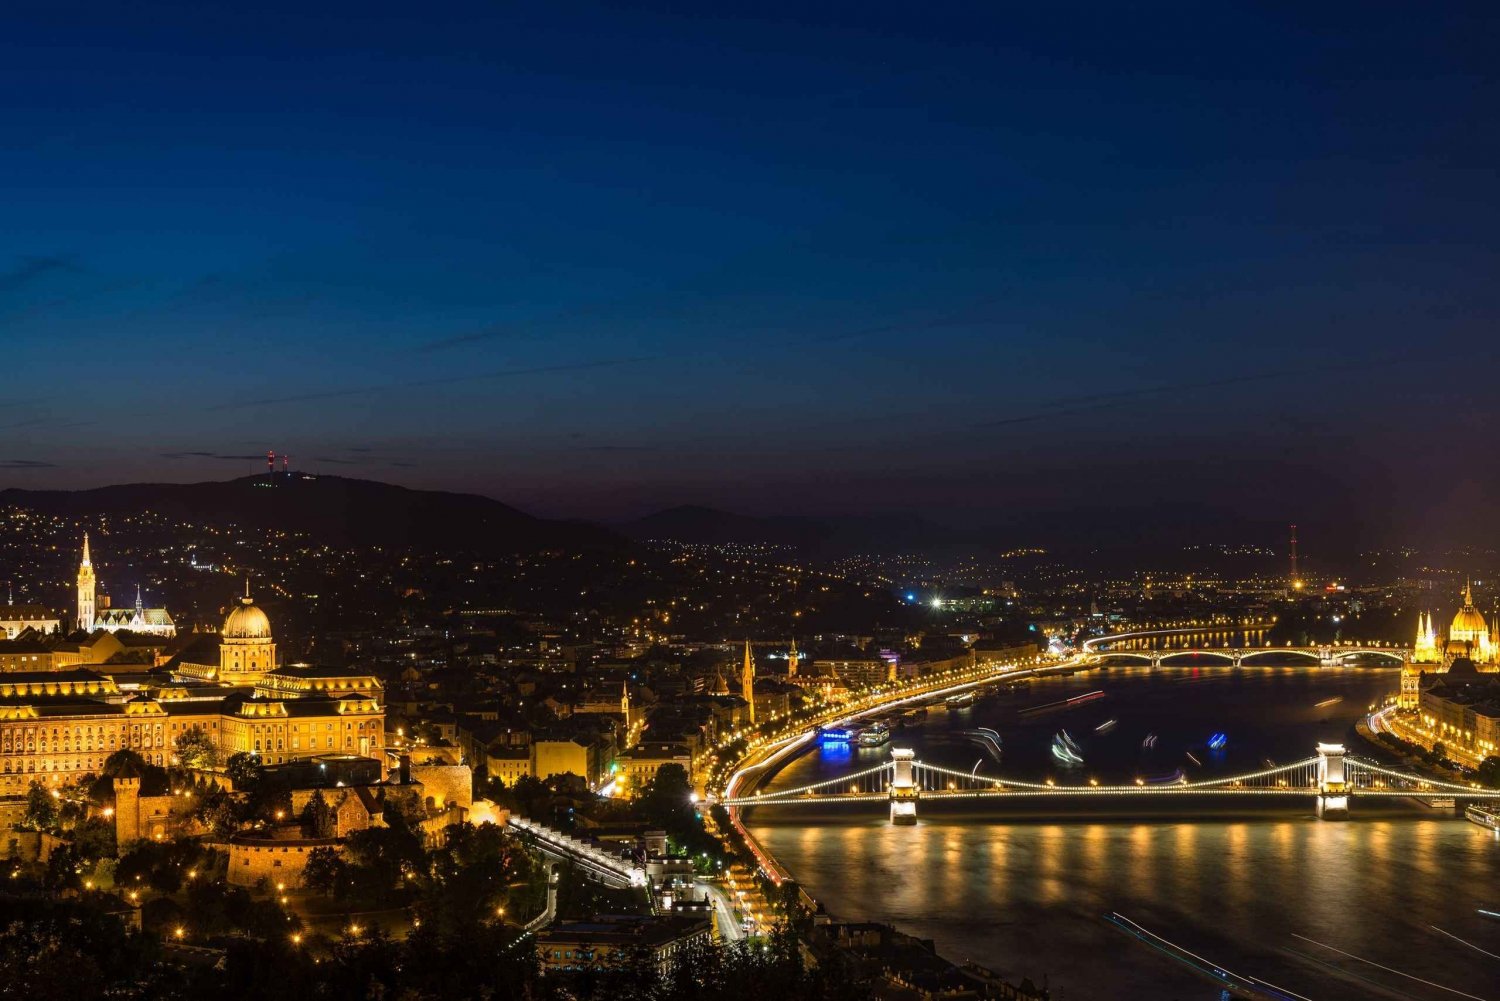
(963, 700)
(1066, 751)
(837, 735)
(987, 739)
(1217, 742)
(1483, 816)
(874, 735)
(1106, 726)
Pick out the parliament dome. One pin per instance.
(1469, 623)
(1469, 620)
(247, 622)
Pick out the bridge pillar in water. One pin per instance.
(1333, 791)
(904, 788)
(1236, 657)
(1326, 657)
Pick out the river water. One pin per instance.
(1261, 889)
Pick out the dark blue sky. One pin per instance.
(953, 258)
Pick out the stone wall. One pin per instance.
(443, 785)
(276, 860)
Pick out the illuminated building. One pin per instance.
(747, 682)
(1469, 635)
(16, 619)
(92, 616)
(1462, 709)
(791, 659)
(1469, 638)
(246, 650)
(56, 726)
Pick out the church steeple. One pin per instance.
(87, 586)
(792, 659)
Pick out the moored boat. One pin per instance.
(1484, 816)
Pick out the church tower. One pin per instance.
(86, 589)
(792, 659)
(747, 681)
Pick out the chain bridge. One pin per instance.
(1331, 777)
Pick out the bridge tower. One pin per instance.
(1333, 791)
(904, 788)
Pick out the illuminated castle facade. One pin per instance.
(91, 616)
(1469, 635)
(57, 726)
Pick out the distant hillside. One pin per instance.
(710, 526)
(335, 510)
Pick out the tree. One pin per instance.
(1489, 772)
(196, 749)
(218, 811)
(319, 818)
(41, 809)
(62, 869)
(244, 770)
(94, 839)
(326, 872)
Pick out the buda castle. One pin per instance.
(1470, 637)
(58, 725)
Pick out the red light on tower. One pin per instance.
(284, 460)
(270, 462)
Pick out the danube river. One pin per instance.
(1383, 905)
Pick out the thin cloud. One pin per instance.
(474, 337)
(615, 448)
(26, 464)
(209, 455)
(505, 373)
(31, 268)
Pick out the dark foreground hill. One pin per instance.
(335, 510)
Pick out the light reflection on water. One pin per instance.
(1025, 894)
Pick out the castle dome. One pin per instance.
(247, 622)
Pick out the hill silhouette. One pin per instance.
(334, 510)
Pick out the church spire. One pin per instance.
(792, 659)
(87, 588)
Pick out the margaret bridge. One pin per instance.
(1330, 776)
(1099, 649)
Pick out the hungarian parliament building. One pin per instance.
(1470, 638)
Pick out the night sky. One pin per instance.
(957, 259)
